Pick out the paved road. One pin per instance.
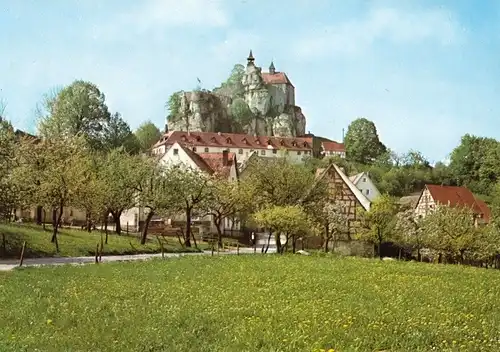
(6, 265)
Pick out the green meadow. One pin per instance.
(251, 303)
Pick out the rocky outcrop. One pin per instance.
(269, 109)
(202, 111)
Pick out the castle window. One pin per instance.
(367, 192)
(275, 151)
(240, 151)
(176, 151)
(262, 152)
(194, 149)
(206, 150)
(298, 153)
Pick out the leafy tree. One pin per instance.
(451, 230)
(8, 194)
(331, 219)
(290, 220)
(79, 108)
(283, 183)
(118, 134)
(191, 189)
(49, 174)
(467, 159)
(233, 86)
(241, 113)
(122, 174)
(173, 105)
(415, 160)
(409, 232)
(147, 134)
(362, 142)
(377, 225)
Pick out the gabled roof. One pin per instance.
(365, 202)
(233, 140)
(456, 196)
(216, 162)
(198, 160)
(276, 78)
(355, 178)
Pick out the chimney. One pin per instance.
(225, 157)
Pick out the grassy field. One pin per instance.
(251, 303)
(74, 242)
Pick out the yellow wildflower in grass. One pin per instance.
(251, 303)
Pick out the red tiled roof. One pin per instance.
(198, 160)
(216, 162)
(276, 78)
(333, 147)
(233, 140)
(455, 196)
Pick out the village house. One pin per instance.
(433, 196)
(242, 145)
(223, 163)
(364, 183)
(332, 148)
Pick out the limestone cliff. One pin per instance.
(261, 104)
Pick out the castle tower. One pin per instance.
(250, 59)
(272, 69)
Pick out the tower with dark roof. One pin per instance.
(272, 69)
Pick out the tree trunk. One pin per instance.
(268, 240)
(106, 227)
(277, 237)
(419, 256)
(294, 243)
(326, 242)
(379, 244)
(56, 225)
(116, 218)
(219, 231)
(144, 234)
(187, 235)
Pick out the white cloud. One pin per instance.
(390, 24)
(154, 14)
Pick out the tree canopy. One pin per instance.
(362, 141)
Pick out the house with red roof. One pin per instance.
(241, 145)
(433, 196)
(331, 148)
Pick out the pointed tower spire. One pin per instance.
(250, 58)
(272, 69)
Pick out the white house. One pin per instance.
(223, 163)
(363, 182)
(332, 148)
(242, 145)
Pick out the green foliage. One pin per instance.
(79, 108)
(147, 134)
(362, 142)
(174, 106)
(241, 113)
(451, 230)
(282, 183)
(233, 86)
(475, 163)
(8, 193)
(250, 303)
(118, 134)
(377, 225)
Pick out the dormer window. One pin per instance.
(228, 140)
(305, 144)
(257, 141)
(198, 138)
(268, 142)
(244, 140)
(282, 142)
(213, 139)
(184, 138)
(294, 144)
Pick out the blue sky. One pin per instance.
(426, 72)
